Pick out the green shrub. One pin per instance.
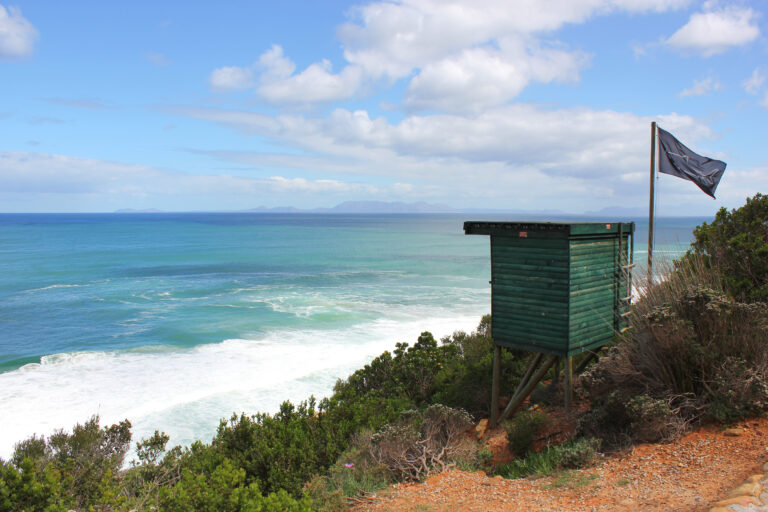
(523, 429)
(225, 490)
(355, 473)
(736, 242)
(572, 455)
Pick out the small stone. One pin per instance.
(481, 427)
(753, 489)
(744, 501)
(757, 478)
(733, 432)
(626, 502)
(765, 467)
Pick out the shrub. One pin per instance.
(736, 242)
(572, 455)
(225, 490)
(88, 462)
(692, 352)
(355, 474)
(420, 443)
(523, 429)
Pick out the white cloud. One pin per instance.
(481, 77)
(446, 48)
(278, 84)
(17, 35)
(753, 84)
(280, 183)
(67, 183)
(713, 32)
(701, 87)
(516, 156)
(231, 78)
(764, 101)
(391, 39)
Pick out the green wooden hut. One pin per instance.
(558, 289)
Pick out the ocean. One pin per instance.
(175, 321)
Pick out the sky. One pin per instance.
(499, 104)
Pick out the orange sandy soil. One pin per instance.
(685, 476)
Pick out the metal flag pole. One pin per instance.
(650, 206)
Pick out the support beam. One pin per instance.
(583, 364)
(527, 375)
(568, 370)
(495, 385)
(520, 396)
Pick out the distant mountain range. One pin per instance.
(363, 207)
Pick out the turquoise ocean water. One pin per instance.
(177, 320)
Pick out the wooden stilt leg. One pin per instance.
(495, 385)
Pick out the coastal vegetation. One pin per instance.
(695, 353)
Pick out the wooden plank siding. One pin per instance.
(556, 288)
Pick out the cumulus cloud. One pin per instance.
(716, 31)
(517, 155)
(230, 78)
(701, 87)
(446, 49)
(17, 35)
(279, 84)
(481, 77)
(753, 84)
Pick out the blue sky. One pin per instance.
(515, 104)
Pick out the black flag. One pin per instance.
(678, 160)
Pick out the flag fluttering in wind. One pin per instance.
(678, 160)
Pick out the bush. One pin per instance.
(523, 429)
(737, 243)
(355, 474)
(572, 455)
(692, 353)
(420, 443)
(83, 466)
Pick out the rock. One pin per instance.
(757, 478)
(720, 509)
(481, 427)
(765, 467)
(733, 432)
(626, 502)
(744, 501)
(753, 489)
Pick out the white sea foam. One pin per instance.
(186, 392)
(53, 286)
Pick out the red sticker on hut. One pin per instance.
(523, 234)
(607, 226)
